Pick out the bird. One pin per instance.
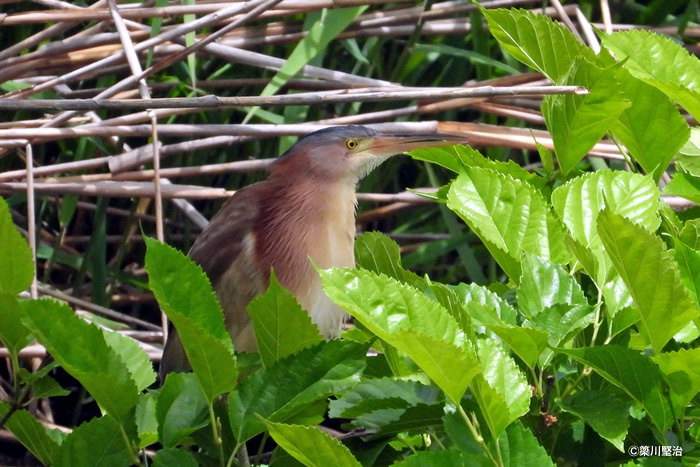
(301, 215)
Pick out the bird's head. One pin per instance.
(351, 152)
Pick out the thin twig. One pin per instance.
(565, 18)
(316, 98)
(100, 310)
(605, 13)
(587, 29)
(31, 216)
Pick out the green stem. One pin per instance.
(233, 455)
(15, 372)
(630, 164)
(261, 448)
(436, 438)
(16, 403)
(13, 408)
(217, 436)
(129, 446)
(680, 423)
(597, 323)
(498, 452)
(574, 384)
(240, 452)
(537, 380)
(407, 444)
(479, 439)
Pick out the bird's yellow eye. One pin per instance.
(351, 144)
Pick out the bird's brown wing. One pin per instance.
(225, 250)
(222, 241)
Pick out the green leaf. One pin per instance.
(502, 391)
(536, 40)
(623, 319)
(447, 157)
(185, 295)
(389, 405)
(281, 458)
(448, 458)
(169, 457)
(520, 447)
(385, 305)
(458, 158)
(331, 23)
(17, 269)
(510, 216)
(605, 413)
(485, 306)
(311, 446)
(544, 284)
(146, 419)
(351, 46)
(98, 442)
(416, 419)
(651, 275)
(449, 299)
(578, 122)
(13, 334)
(9, 86)
(282, 327)
(190, 38)
(632, 372)
(80, 348)
(133, 356)
(652, 129)
(488, 309)
(31, 434)
(380, 254)
(155, 24)
(688, 158)
(527, 343)
(471, 56)
(659, 61)
(470, 157)
(682, 370)
(690, 235)
(689, 265)
(578, 202)
(450, 367)
(181, 408)
(547, 159)
(561, 322)
(376, 411)
(383, 393)
(46, 386)
(684, 185)
(408, 320)
(291, 385)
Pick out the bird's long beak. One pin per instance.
(386, 145)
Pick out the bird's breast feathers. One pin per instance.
(329, 242)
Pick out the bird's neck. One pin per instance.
(319, 216)
(335, 226)
(313, 221)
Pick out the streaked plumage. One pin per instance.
(305, 209)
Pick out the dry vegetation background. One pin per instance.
(144, 116)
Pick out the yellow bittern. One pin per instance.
(303, 212)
